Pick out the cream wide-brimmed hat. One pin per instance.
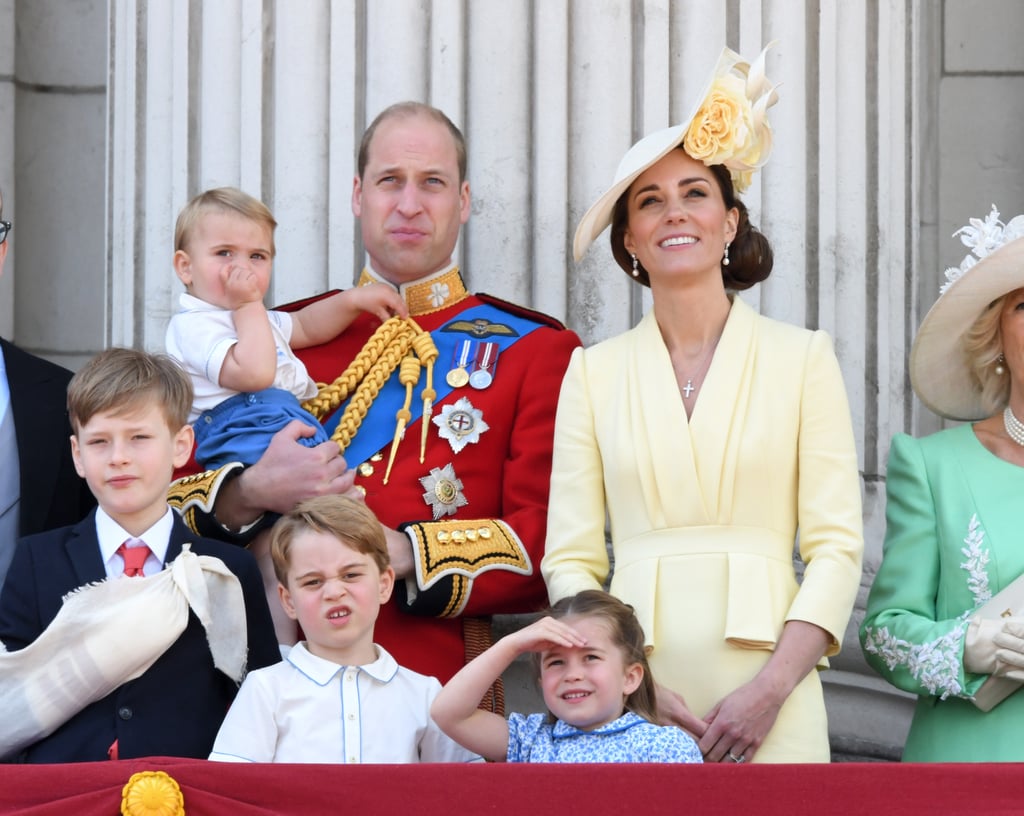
(728, 125)
(940, 370)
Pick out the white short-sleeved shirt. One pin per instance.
(307, 709)
(200, 336)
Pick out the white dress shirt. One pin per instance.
(307, 709)
(112, 535)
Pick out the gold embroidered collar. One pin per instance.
(430, 294)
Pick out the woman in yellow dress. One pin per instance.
(717, 441)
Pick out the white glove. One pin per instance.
(979, 647)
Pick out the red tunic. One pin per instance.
(472, 562)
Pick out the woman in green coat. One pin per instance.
(954, 533)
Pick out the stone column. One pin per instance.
(52, 96)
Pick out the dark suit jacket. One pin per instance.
(176, 707)
(52, 493)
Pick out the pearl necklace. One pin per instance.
(1014, 427)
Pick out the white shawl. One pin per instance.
(111, 632)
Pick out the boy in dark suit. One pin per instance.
(128, 413)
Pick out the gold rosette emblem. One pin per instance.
(152, 793)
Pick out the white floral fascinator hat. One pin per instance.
(940, 370)
(728, 126)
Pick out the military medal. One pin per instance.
(443, 491)
(460, 424)
(458, 376)
(486, 360)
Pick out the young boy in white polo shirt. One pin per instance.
(338, 697)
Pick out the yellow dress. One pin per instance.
(704, 513)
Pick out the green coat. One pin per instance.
(953, 539)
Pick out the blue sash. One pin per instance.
(378, 427)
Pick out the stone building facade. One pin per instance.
(898, 120)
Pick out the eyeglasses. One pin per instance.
(5, 227)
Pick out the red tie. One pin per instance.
(134, 561)
(134, 557)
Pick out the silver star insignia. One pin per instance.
(443, 491)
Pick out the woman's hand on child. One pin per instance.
(673, 710)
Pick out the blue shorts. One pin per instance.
(240, 428)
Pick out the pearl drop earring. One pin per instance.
(725, 260)
(636, 271)
(1000, 368)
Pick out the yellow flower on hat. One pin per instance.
(722, 125)
(152, 793)
(731, 125)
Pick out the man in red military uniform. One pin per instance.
(464, 503)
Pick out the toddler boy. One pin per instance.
(337, 697)
(248, 383)
(163, 692)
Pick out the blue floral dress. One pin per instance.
(630, 738)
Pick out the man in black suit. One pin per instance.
(39, 488)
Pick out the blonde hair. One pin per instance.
(626, 633)
(983, 346)
(121, 380)
(222, 199)
(348, 520)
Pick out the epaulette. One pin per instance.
(521, 311)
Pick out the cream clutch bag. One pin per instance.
(1004, 604)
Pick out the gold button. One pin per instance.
(458, 536)
(377, 457)
(442, 536)
(485, 532)
(470, 535)
(365, 469)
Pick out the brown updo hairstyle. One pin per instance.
(750, 254)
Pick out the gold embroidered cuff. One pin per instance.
(198, 493)
(463, 549)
